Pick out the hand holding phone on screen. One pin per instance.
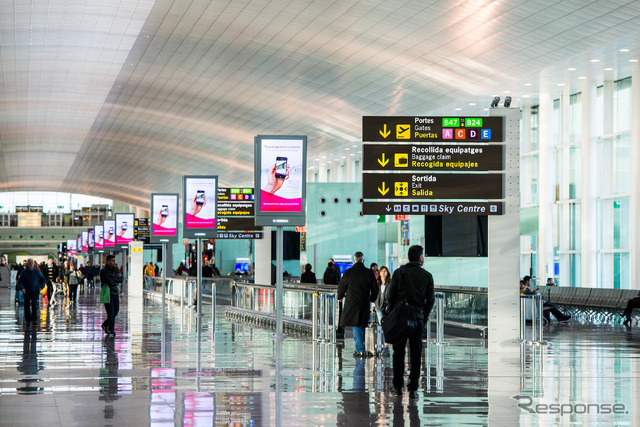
(198, 203)
(109, 233)
(123, 229)
(278, 174)
(162, 215)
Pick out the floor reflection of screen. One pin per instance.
(222, 409)
(163, 396)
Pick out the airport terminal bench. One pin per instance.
(610, 299)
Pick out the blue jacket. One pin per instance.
(31, 280)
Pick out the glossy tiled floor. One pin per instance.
(65, 373)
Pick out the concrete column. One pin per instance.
(588, 236)
(503, 297)
(263, 258)
(634, 227)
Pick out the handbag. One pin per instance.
(43, 291)
(399, 324)
(105, 294)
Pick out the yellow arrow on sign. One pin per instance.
(382, 161)
(383, 190)
(385, 133)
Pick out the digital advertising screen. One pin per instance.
(71, 247)
(281, 167)
(79, 243)
(109, 226)
(124, 228)
(200, 199)
(91, 239)
(164, 215)
(98, 232)
(85, 241)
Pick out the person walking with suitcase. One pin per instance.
(359, 289)
(413, 284)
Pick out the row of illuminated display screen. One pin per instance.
(112, 233)
(280, 174)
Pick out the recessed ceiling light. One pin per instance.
(472, 103)
(560, 84)
(354, 145)
(608, 69)
(571, 69)
(582, 78)
(506, 91)
(359, 152)
(633, 60)
(525, 96)
(624, 50)
(458, 109)
(528, 84)
(347, 149)
(352, 154)
(595, 60)
(485, 109)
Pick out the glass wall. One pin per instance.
(610, 227)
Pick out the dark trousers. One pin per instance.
(73, 292)
(415, 354)
(551, 309)
(49, 289)
(633, 303)
(31, 303)
(112, 309)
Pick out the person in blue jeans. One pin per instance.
(110, 276)
(359, 288)
(30, 282)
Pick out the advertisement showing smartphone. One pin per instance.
(85, 241)
(280, 174)
(109, 227)
(200, 206)
(91, 242)
(164, 217)
(71, 247)
(124, 229)
(98, 232)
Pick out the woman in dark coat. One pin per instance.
(308, 276)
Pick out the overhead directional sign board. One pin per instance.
(432, 129)
(432, 157)
(441, 208)
(236, 211)
(415, 186)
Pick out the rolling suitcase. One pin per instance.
(373, 339)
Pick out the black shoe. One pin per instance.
(413, 394)
(359, 354)
(565, 319)
(104, 328)
(397, 391)
(627, 321)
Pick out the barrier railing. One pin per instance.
(533, 303)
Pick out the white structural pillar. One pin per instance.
(588, 237)
(136, 264)
(263, 258)
(503, 292)
(635, 178)
(546, 189)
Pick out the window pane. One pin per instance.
(622, 105)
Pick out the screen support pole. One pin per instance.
(164, 301)
(279, 286)
(199, 276)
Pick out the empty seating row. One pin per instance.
(587, 297)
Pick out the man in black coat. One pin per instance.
(359, 286)
(415, 284)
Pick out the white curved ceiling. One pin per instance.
(119, 99)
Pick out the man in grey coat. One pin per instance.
(358, 286)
